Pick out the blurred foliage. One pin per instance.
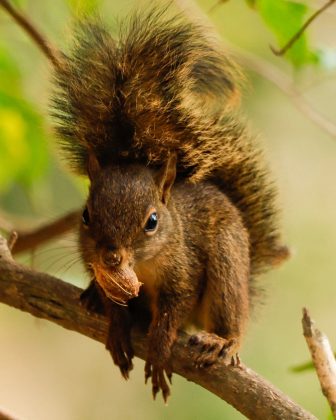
(20, 3)
(23, 143)
(285, 18)
(83, 8)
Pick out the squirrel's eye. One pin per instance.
(151, 223)
(86, 217)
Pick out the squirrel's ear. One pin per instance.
(93, 167)
(166, 177)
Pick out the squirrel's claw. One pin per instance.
(235, 360)
(157, 373)
(125, 370)
(163, 385)
(169, 374)
(124, 362)
(122, 354)
(148, 371)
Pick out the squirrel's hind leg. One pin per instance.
(225, 303)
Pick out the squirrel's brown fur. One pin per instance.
(150, 118)
(164, 87)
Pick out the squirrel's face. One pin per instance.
(125, 222)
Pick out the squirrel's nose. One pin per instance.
(112, 258)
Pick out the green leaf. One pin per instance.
(23, 149)
(304, 366)
(285, 18)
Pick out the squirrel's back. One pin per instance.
(161, 87)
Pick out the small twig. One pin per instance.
(295, 37)
(31, 240)
(52, 53)
(323, 359)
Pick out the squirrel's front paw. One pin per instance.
(158, 373)
(122, 352)
(91, 299)
(210, 348)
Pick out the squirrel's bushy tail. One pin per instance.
(165, 86)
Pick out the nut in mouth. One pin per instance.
(119, 284)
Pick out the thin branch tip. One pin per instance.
(305, 314)
(275, 51)
(307, 323)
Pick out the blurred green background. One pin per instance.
(50, 373)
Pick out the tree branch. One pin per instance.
(4, 416)
(45, 46)
(50, 298)
(323, 359)
(47, 232)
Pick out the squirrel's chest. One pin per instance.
(147, 273)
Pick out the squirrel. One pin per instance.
(180, 197)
